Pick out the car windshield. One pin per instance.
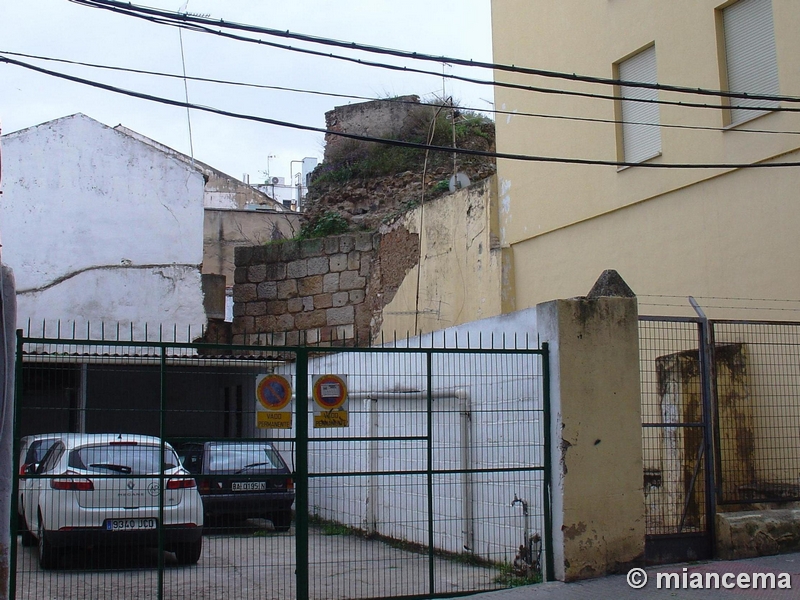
(131, 459)
(242, 457)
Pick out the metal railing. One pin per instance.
(437, 486)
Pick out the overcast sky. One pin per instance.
(61, 29)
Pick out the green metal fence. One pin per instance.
(415, 471)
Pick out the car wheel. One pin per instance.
(48, 559)
(189, 553)
(282, 520)
(28, 539)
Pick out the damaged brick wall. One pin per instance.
(326, 291)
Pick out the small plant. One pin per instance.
(510, 577)
(328, 223)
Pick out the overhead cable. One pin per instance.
(165, 15)
(514, 113)
(392, 142)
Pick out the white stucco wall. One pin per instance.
(101, 227)
(489, 404)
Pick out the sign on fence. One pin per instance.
(274, 394)
(330, 401)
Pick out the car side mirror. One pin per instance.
(31, 469)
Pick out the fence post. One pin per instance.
(598, 520)
(301, 478)
(8, 491)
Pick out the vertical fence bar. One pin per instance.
(12, 563)
(161, 482)
(301, 479)
(431, 553)
(548, 466)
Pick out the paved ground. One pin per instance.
(617, 588)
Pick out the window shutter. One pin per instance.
(750, 55)
(641, 136)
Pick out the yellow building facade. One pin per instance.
(719, 232)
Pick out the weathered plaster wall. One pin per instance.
(100, 227)
(597, 490)
(221, 189)
(458, 279)
(225, 230)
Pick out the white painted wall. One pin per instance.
(101, 227)
(388, 399)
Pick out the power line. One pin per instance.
(397, 100)
(123, 9)
(391, 142)
(170, 16)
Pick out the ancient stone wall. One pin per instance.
(310, 291)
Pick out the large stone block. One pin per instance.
(240, 275)
(351, 280)
(344, 315)
(338, 262)
(268, 290)
(364, 242)
(290, 250)
(277, 307)
(757, 533)
(311, 320)
(309, 286)
(354, 261)
(256, 309)
(256, 273)
(242, 255)
(318, 265)
(340, 299)
(330, 283)
(347, 243)
(297, 269)
(245, 292)
(287, 289)
(276, 271)
(323, 300)
(313, 247)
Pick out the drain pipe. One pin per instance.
(467, 505)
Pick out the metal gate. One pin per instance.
(430, 479)
(676, 439)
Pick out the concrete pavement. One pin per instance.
(616, 587)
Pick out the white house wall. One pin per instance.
(99, 226)
(502, 395)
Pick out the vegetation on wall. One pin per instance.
(354, 159)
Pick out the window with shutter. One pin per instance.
(750, 56)
(641, 133)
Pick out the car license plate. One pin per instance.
(130, 524)
(249, 486)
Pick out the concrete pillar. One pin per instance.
(597, 472)
(8, 319)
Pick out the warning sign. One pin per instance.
(330, 401)
(274, 395)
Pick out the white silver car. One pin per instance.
(105, 489)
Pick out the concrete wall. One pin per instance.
(598, 500)
(225, 229)
(101, 227)
(490, 405)
(705, 232)
(458, 278)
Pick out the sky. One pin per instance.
(65, 30)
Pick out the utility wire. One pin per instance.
(391, 142)
(397, 100)
(175, 17)
(122, 9)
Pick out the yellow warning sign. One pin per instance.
(333, 418)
